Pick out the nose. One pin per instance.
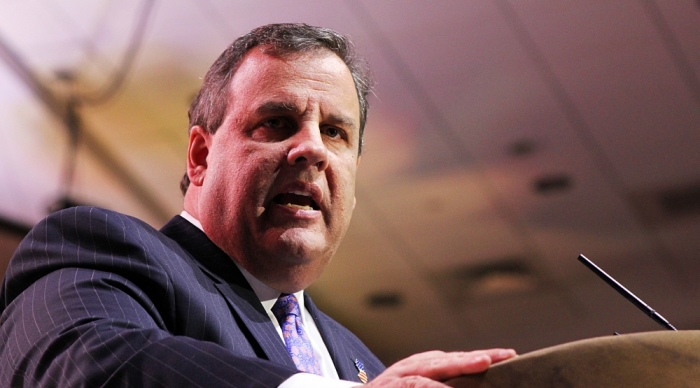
(308, 148)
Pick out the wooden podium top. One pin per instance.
(669, 359)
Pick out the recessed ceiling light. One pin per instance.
(666, 204)
(552, 183)
(494, 277)
(497, 283)
(384, 299)
(522, 148)
(681, 200)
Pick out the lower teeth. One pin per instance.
(300, 206)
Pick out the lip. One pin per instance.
(300, 188)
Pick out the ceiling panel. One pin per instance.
(681, 18)
(632, 101)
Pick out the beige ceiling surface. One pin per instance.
(476, 102)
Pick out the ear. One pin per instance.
(197, 152)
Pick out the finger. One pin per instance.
(438, 365)
(457, 364)
(497, 355)
(406, 382)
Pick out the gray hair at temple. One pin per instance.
(209, 106)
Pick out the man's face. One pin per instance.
(276, 182)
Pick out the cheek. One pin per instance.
(245, 180)
(226, 184)
(344, 190)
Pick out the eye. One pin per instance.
(332, 132)
(276, 123)
(273, 129)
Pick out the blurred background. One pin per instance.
(504, 138)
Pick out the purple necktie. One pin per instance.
(286, 309)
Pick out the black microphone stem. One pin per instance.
(626, 293)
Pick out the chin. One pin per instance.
(301, 246)
(296, 262)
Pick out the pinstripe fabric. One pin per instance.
(95, 298)
(343, 346)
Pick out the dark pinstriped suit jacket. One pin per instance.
(97, 298)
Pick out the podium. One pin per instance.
(669, 359)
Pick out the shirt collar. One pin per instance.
(266, 294)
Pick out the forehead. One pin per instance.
(319, 76)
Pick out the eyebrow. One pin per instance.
(289, 107)
(278, 106)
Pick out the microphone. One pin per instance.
(626, 293)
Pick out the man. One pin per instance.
(96, 298)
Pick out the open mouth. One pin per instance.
(295, 200)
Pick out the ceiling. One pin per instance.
(504, 138)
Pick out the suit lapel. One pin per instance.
(247, 306)
(343, 360)
(233, 286)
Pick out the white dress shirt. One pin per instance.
(268, 296)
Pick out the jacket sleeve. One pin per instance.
(84, 306)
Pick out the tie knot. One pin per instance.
(286, 304)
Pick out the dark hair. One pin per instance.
(209, 105)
